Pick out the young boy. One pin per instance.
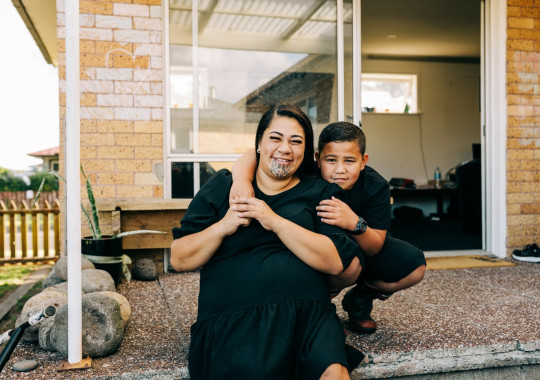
(388, 265)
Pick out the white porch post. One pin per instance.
(71, 165)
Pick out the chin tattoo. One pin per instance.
(280, 170)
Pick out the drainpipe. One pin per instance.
(73, 186)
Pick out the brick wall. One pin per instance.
(523, 91)
(121, 72)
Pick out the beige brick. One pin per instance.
(157, 191)
(148, 101)
(62, 98)
(513, 187)
(520, 110)
(114, 74)
(530, 34)
(133, 139)
(148, 75)
(96, 34)
(88, 73)
(133, 166)
(518, 242)
(88, 152)
(104, 191)
(149, 152)
(145, 23)
(86, 46)
(148, 2)
(531, 165)
(156, 62)
(519, 220)
(95, 60)
(95, 7)
(513, 209)
(530, 208)
(88, 126)
(155, 11)
(113, 48)
(114, 22)
(134, 62)
(97, 86)
(135, 10)
(88, 100)
(114, 126)
(528, 77)
(114, 100)
(97, 139)
(153, 50)
(115, 152)
(518, 198)
(513, 99)
(138, 36)
(148, 127)
(513, 11)
(529, 56)
(104, 113)
(520, 176)
(135, 114)
(139, 88)
(115, 179)
(156, 37)
(520, 45)
(157, 140)
(157, 114)
(140, 191)
(521, 23)
(512, 165)
(146, 179)
(156, 88)
(93, 166)
(530, 230)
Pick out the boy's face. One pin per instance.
(341, 162)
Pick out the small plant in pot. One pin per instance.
(104, 251)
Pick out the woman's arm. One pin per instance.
(191, 252)
(243, 172)
(316, 250)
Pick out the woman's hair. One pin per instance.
(308, 167)
(342, 131)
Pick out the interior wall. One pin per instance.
(446, 126)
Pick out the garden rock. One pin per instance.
(125, 307)
(25, 365)
(61, 268)
(61, 288)
(34, 305)
(44, 335)
(96, 280)
(144, 269)
(51, 280)
(102, 326)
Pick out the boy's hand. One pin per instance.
(336, 212)
(231, 221)
(240, 189)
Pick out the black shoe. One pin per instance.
(359, 305)
(530, 254)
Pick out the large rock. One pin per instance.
(125, 307)
(44, 335)
(61, 288)
(96, 280)
(51, 280)
(102, 326)
(61, 266)
(144, 269)
(36, 304)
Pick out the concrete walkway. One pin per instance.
(480, 323)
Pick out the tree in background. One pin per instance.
(10, 182)
(50, 182)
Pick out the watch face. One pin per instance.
(361, 227)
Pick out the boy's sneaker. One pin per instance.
(530, 254)
(358, 303)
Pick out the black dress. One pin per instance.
(263, 313)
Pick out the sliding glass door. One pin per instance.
(229, 62)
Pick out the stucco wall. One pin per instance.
(523, 141)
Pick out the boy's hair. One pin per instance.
(342, 131)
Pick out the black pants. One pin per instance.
(395, 261)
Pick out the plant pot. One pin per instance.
(106, 253)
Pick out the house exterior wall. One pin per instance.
(523, 137)
(121, 102)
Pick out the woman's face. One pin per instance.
(282, 148)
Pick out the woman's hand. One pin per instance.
(231, 221)
(240, 189)
(256, 209)
(336, 212)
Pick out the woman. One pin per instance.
(264, 308)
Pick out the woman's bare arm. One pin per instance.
(314, 249)
(191, 252)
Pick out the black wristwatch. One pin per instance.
(361, 227)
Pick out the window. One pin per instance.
(395, 93)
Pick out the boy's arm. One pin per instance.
(336, 212)
(243, 172)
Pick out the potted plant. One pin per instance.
(105, 251)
